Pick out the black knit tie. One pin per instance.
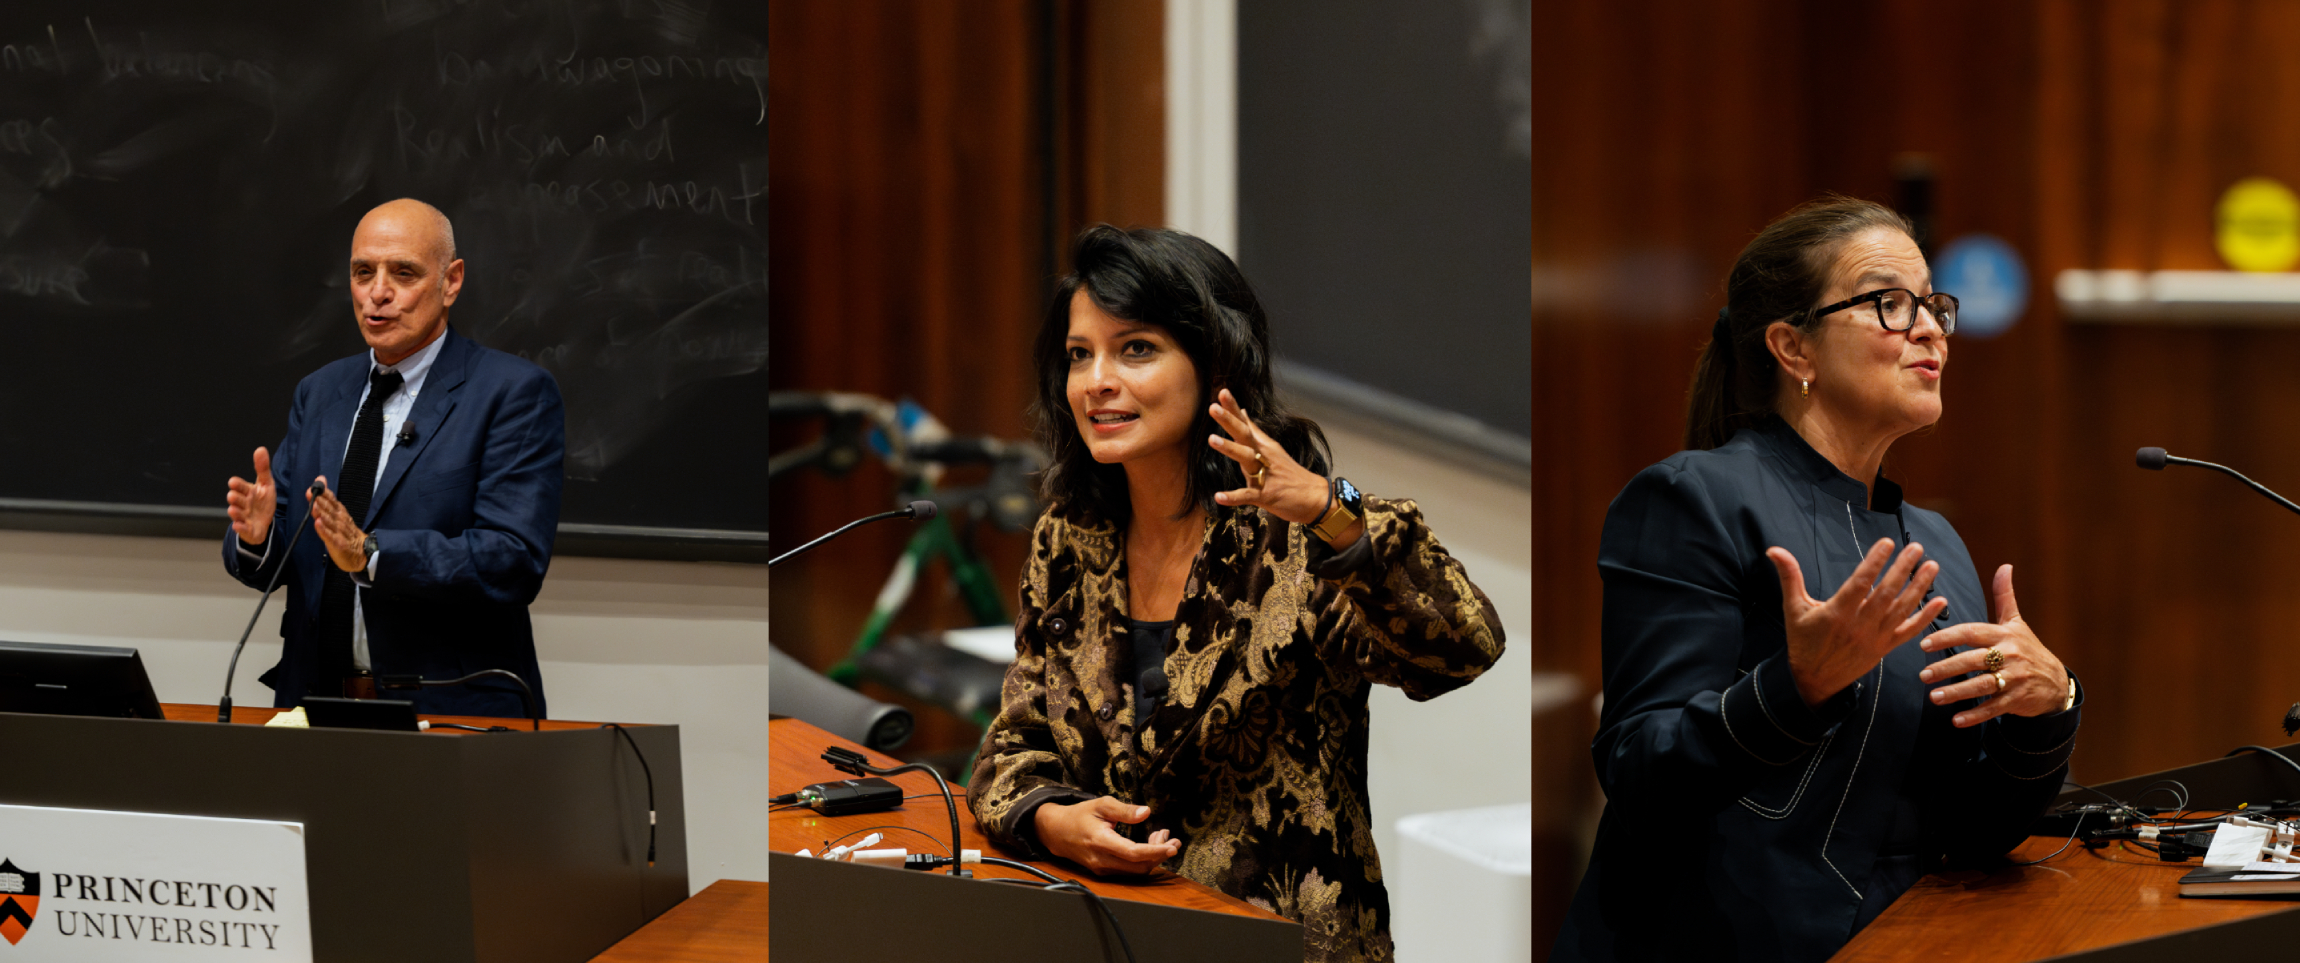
(354, 486)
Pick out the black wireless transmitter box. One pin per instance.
(851, 796)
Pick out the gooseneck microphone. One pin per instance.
(2154, 459)
(921, 510)
(224, 707)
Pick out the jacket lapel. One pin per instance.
(334, 438)
(428, 416)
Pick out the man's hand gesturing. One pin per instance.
(336, 529)
(252, 503)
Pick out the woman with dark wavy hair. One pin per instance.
(1204, 608)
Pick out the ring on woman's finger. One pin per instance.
(1999, 676)
(1993, 661)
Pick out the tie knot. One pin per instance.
(382, 383)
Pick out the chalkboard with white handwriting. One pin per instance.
(179, 182)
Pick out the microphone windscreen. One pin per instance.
(922, 510)
(2152, 459)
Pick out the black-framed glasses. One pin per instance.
(1897, 308)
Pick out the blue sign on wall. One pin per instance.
(1989, 281)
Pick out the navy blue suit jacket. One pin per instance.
(465, 515)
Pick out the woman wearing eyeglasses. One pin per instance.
(1810, 701)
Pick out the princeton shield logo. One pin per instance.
(19, 901)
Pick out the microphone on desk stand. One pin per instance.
(2154, 459)
(921, 510)
(311, 496)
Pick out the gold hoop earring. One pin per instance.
(1804, 388)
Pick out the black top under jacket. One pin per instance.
(1740, 823)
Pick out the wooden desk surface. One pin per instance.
(2083, 900)
(725, 922)
(258, 715)
(794, 759)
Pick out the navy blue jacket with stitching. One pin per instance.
(1741, 823)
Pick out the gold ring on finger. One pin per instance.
(1993, 661)
(2000, 677)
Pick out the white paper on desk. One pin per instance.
(2272, 867)
(2235, 847)
(2251, 877)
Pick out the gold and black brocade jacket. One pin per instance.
(1255, 759)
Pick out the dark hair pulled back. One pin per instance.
(1198, 296)
(1778, 277)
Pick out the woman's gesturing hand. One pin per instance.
(1833, 643)
(2035, 682)
(1081, 833)
(1288, 490)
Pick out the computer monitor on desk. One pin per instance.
(75, 680)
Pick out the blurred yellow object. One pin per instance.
(291, 719)
(2257, 226)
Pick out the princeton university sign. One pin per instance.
(79, 884)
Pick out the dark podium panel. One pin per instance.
(512, 846)
(825, 910)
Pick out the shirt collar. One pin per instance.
(1811, 466)
(412, 367)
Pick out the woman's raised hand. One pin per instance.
(1835, 642)
(2035, 682)
(1288, 490)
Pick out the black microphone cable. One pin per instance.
(224, 708)
(526, 693)
(847, 760)
(1068, 886)
(2278, 756)
(850, 761)
(650, 771)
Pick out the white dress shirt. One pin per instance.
(413, 368)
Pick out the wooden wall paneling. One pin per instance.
(2183, 578)
(1656, 157)
(1118, 116)
(906, 198)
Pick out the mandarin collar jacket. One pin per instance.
(1741, 823)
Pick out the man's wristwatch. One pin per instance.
(1344, 506)
(369, 546)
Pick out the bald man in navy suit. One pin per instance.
(443, 466)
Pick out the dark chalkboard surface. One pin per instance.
(1385, 202)
(179, 182)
